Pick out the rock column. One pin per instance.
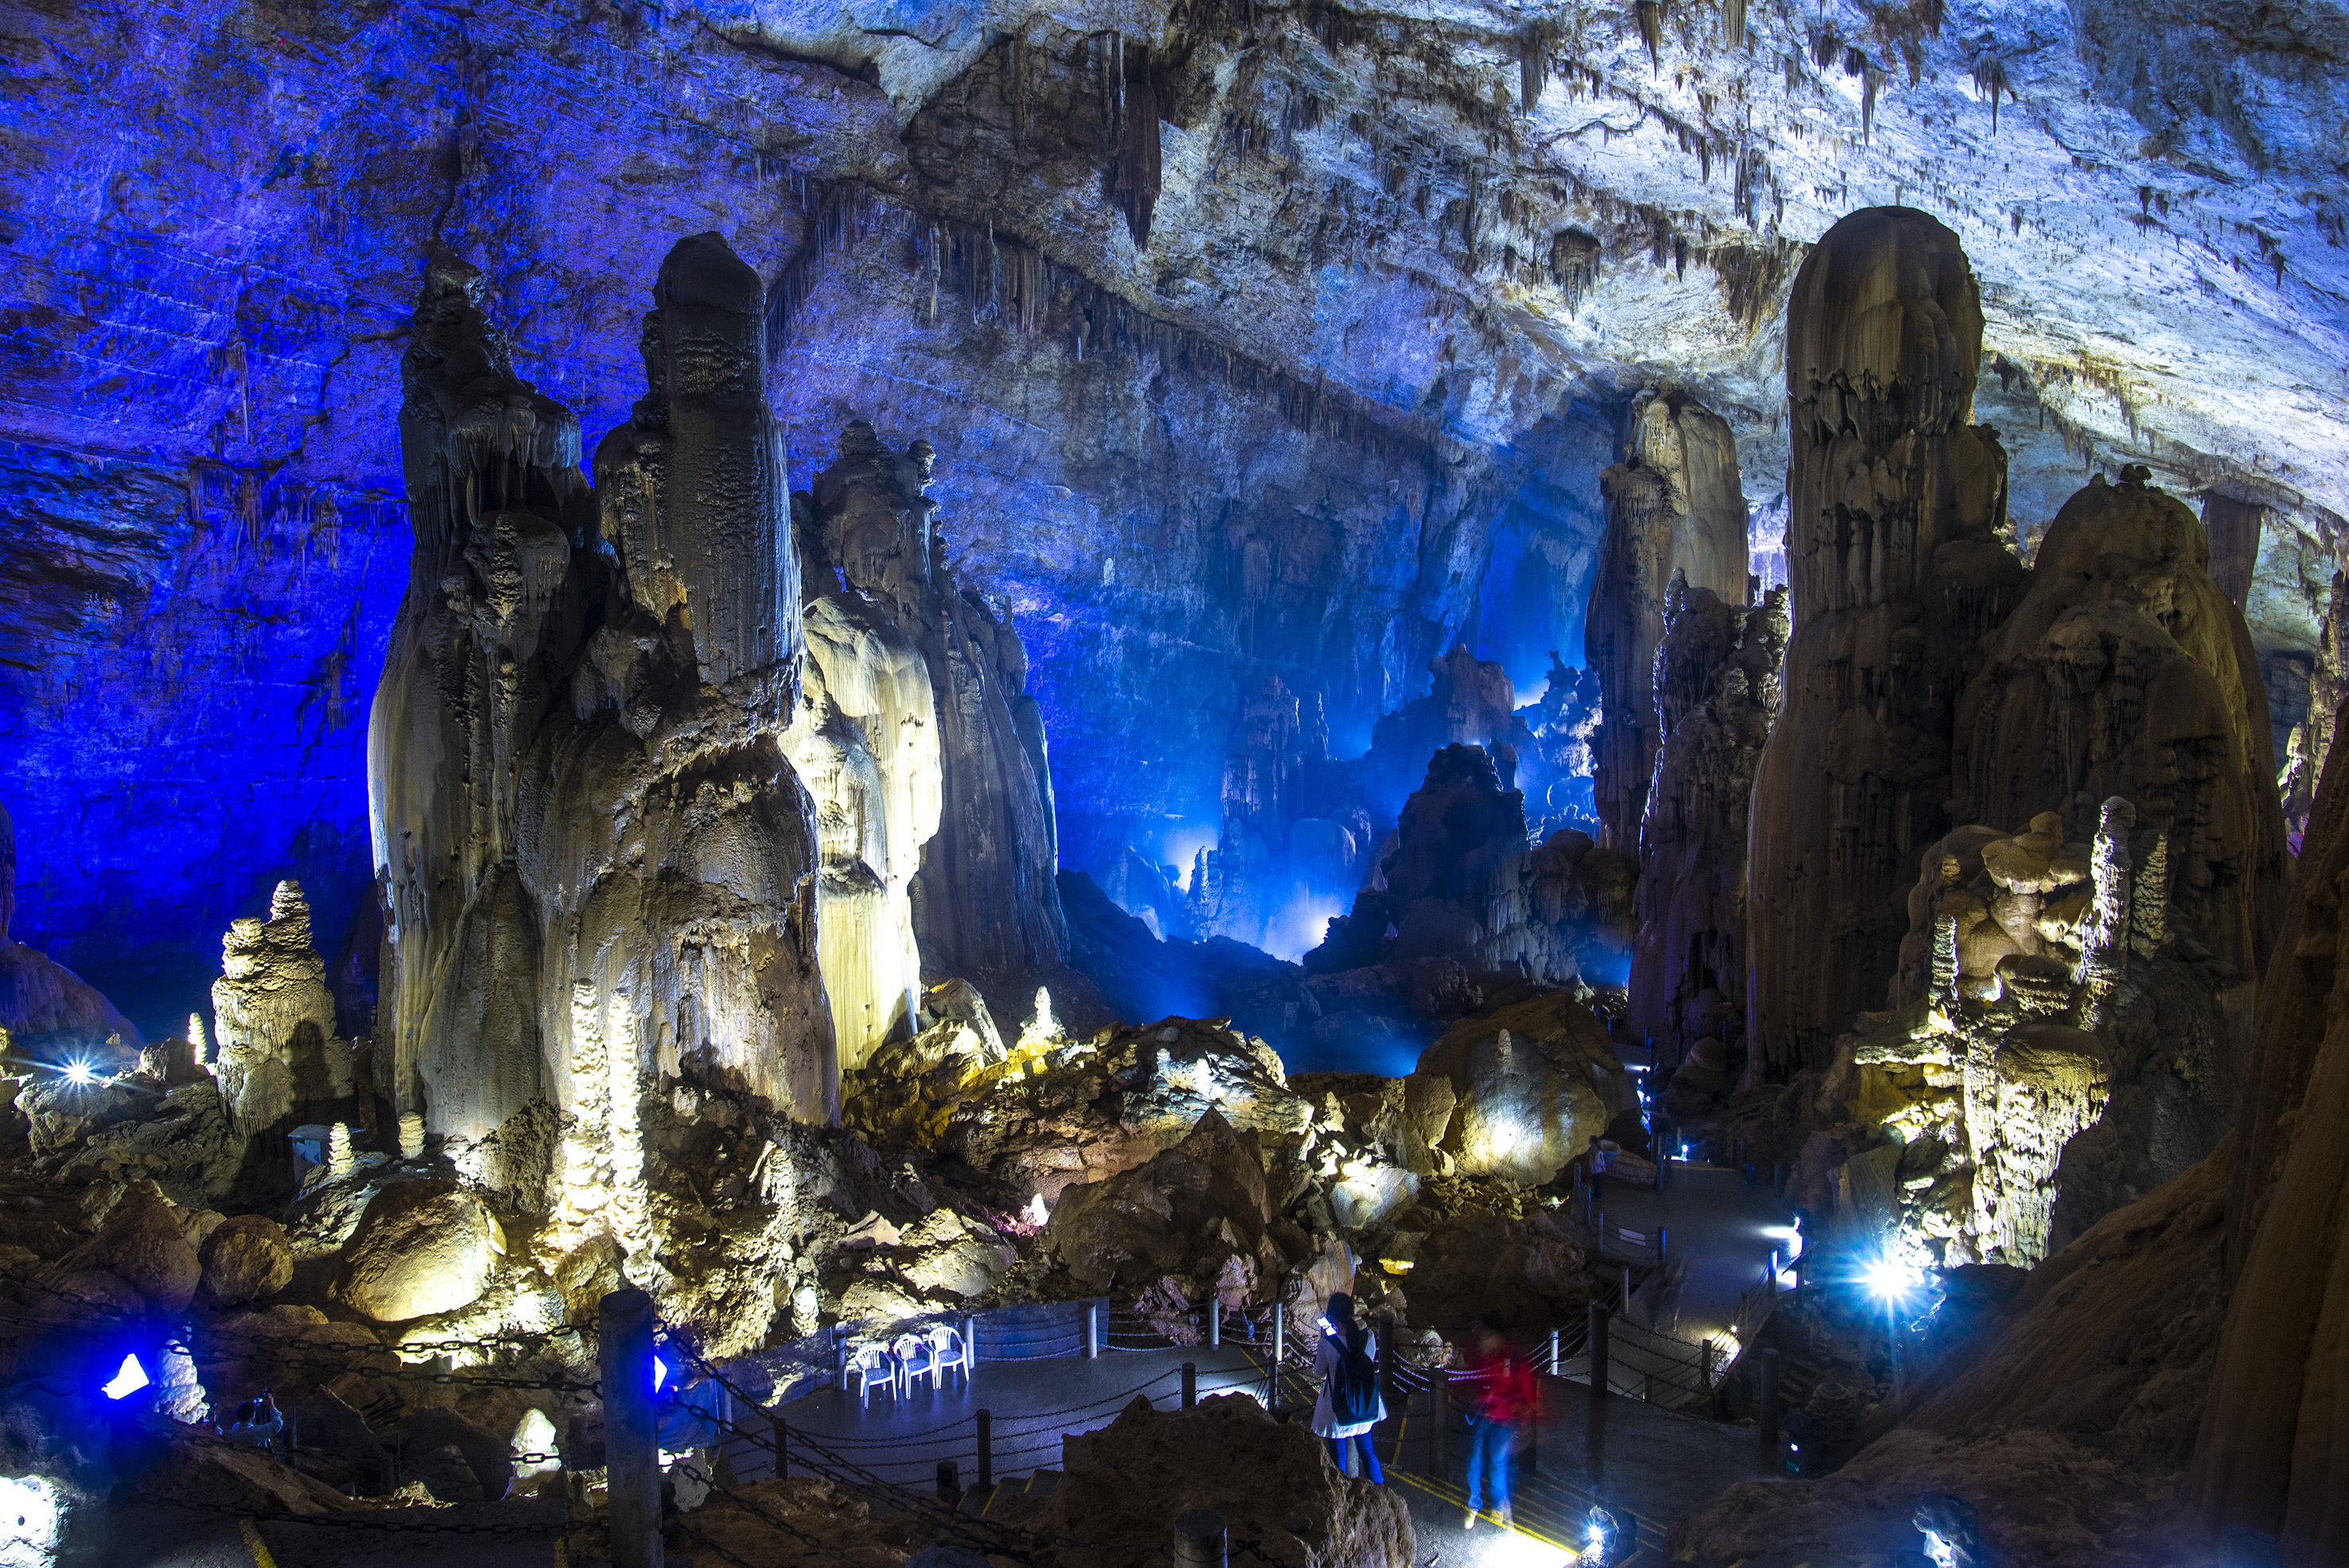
(1674, 508)
(1895, 505)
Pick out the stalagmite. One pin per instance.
(598, 864)
(1717, 691)
(1894, 505)
(984, 904)
(2125, 670)
(1674, 508)
(275, 1019)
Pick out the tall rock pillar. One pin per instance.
(1895, 508)
(1674, 507)
(598, 865)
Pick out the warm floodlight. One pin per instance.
(131, 1379)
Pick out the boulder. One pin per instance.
(294, 1351)
(246, 1258)
(1531, 1085)
(1184, 1211)
(421, 1248)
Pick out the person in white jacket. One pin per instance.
(1346, 1365)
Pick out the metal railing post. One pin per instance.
(631, 1435)
(1439, 1424)
(783, 1445)
(1279, 1348)
(986, 1447)
(1598, 1318)
(1768, 1424)
(1093, 1331)
(1190, 1385)
(1661, 1255)
(1557, 1360)
(1215, 1321)
(1200, 1541)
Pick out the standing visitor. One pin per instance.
(1601, 1156)
(1506, 1397)
(1346, 1363)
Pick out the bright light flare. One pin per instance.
(660, 1374)
(1515, 1549)
(1889, 1280)
(81, 1073)
(129, 1379)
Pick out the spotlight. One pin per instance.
(79, 1073)
(1889, 1280)
(129, 1379)
(660, 1374)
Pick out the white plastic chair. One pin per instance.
(949, 1351)
(915, 1359)
(866, 1366)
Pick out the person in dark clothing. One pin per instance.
(1351, 1405)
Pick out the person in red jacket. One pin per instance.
(1505, 1397)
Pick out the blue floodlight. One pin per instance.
(660, 1374)
(129, 1379)
(1889, 1280)
(79, 1073)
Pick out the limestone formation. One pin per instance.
(2328, 685)
(2054, 1053)
(1523, 1090)
(984, 904)
(1717, 695)
(1461, 885)
(1675, 510)
(422, 1248)
(245, 1260)
(2268, 1456)
(45, 1009)
(1896, 505)
(599, 866)
(274, 1021)
(2127, 670)
(1197, 1214)
(865, 743)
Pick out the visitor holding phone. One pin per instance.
(1346, 1363)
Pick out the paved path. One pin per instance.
(1722, 1229)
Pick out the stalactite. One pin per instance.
(1732, 23)
(1649, 16)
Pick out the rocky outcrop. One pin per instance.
(1519, 1093)
(983, 903)
(47, 1010)
(2063, 1423)
(245, 1260)
(274, 1022)
(1461, 885)
(2311, 741)
(1271, 1480)
(865, 743)
(1198, 1215)
(1896, 505)
(2267, 1457)
(2127, 670)
(1464, 1267)
(599, 866)
(422, 1248)
(2060, 1054)
(1716, 694)
(1675, 510)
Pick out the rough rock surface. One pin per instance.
(1123, 1485)
(599, 865)
(1716, 692)
(981, 897)
(1675, 511)
(421, 1248)
(2125, 670)
(1190, 1213)
(274, 1020)
(1525, 1271)
(2266, 1458)
(1519, 1093)
(1896, 502)
(2066, 1425)
(245, 1260)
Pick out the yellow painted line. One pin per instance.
(562, 1551)
(260, 1549)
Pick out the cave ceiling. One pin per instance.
(1326, 389)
